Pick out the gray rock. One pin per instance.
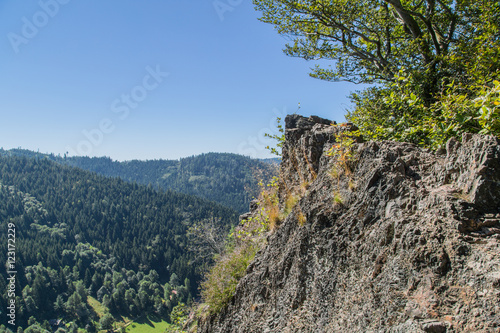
(403, 241)
(434, 327)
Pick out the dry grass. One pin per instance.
(309, 166)
(220, 282)
(274, 217)
(335, 172)
(301, 218)
(338, 200)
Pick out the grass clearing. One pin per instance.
(97, 306)
(147, 325)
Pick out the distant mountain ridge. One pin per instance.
(228, 179)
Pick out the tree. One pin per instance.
(76, 306)
(80, 289)
(206, 240)
(178, 314)
(174, 280)
(434, 62)
(59, 303)
(73, 328)
(106, 322)
(372, 40)
(32, 321)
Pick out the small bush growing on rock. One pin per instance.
(221, 280)
(290, 202)
(220, 283)
(279, 138)
(396, 113)
(343, 151)
(269, 204)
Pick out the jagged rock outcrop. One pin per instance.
(403, 241)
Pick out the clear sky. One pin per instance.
(149, 79)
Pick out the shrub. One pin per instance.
(395, 113)
(220, 282)
(179, 314)
(106, 322)
(279, 138)
(343, 152)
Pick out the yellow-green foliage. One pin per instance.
(343, 152)
(338, 199)
(220, 283)
(290, 202)
(221, 280)
(279, 138)
(488, 104)
(269, 204)
(301, 218)
(396, 113)
(179, 315)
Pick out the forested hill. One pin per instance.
(228, 179)
(80, 234)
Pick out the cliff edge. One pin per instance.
(397, 239)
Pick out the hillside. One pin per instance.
(386, 237)
(80, 235)
(228, 179)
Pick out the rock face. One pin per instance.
(402, 240)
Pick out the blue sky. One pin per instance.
(151, 79)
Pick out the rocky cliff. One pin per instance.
(399, 239)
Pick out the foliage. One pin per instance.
(280, 139)
(228, 179)
(220, 283)
(106, 322)
(241, 247)
(337, 199)
(244, 242)
(179, 313)
(433, 63)
(343, 150)
(290, 203)
(396, 113)
(301, 218)
(79, 234)
(488, 104)
(269, 205)
(372, 40)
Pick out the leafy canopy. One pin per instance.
(417, 52)
(371, 40)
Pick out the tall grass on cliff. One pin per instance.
(241, 246)
(243, 243)
(221, 280)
